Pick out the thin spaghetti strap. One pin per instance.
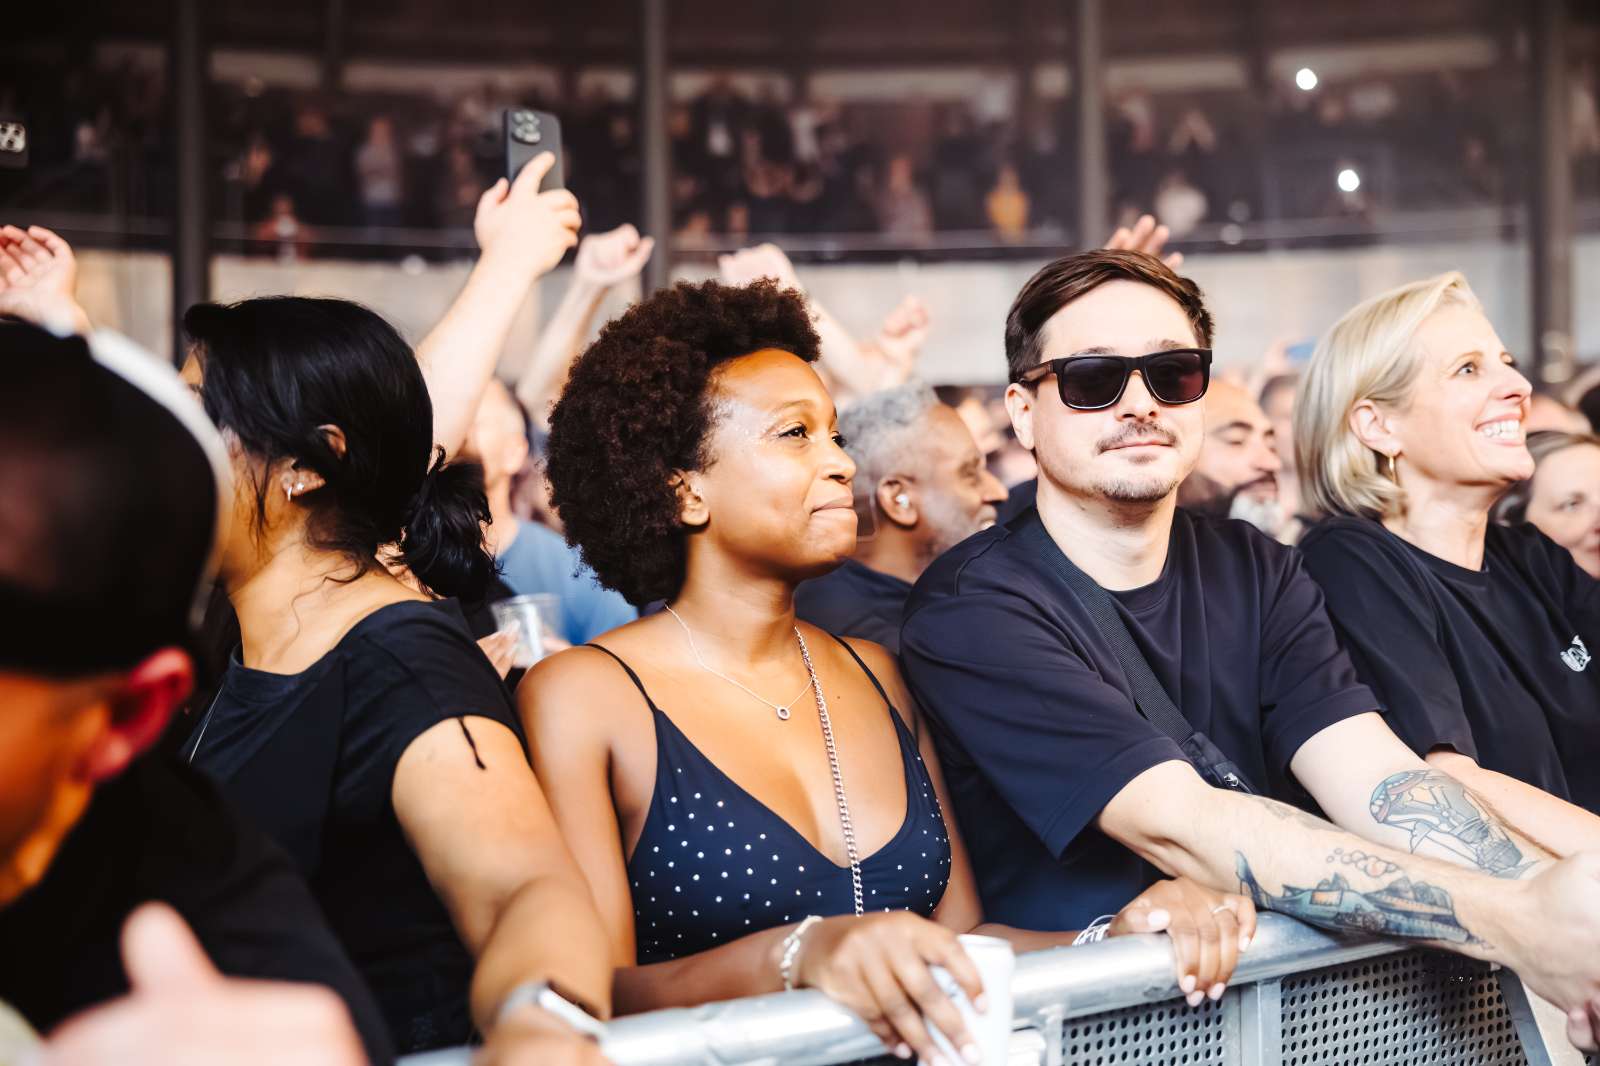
(916, 723)
(631, 675)
(845, 644)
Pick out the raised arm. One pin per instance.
(523, 234)
(604, 261)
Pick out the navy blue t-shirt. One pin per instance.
(1036, 724)
(855, 601)
(1493, 663)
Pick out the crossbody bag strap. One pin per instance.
(1150, 698)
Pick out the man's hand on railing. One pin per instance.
(1208, 930)
(531, 1037)
(39, 279)
(877, 965)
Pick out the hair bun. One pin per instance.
(442, 541)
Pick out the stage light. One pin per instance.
(1305, 78)
(1349, 180)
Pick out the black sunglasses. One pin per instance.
(1095, 382)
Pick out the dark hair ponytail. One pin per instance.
(278, 369)
(442, 541)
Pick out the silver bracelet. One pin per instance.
(1096, 930)
(791, 950)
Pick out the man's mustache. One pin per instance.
(1139, 433)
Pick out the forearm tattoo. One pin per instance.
(1401, 907)
(1433, 806)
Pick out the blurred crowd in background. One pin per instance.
(291, 163)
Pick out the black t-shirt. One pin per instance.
(855, 601)
(1493, 663)
(311, 758)
(1020, 497)
(161, 832)
(1035, 721)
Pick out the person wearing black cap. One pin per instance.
(112, 487)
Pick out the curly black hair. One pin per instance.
(638, 405)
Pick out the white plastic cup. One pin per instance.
(991, 1030)
(529, 617)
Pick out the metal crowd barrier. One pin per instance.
(1300, 997)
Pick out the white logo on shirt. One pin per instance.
(1576, 656)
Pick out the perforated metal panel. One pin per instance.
(1168, 1033)
(1420, 1007)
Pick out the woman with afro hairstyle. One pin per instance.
(742, 830)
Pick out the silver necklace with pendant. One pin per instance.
(780, 709)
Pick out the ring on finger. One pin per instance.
(1219, 908)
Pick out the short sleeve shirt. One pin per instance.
(1492, 663)
(1036, 724)
(311, 758)
(855, 601)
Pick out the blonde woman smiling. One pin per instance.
(1476, 637)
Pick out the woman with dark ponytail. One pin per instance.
(357, 721)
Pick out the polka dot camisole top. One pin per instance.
(714, 863)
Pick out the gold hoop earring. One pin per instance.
(1394, 474)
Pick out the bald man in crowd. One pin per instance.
(1237, 472)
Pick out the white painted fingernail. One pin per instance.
(971, 1053)
(1187, 983)
(1194, 998)
(902, 1051)
(1217, 990)
(981, 1004)
(1244, 942)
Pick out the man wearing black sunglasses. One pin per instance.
(1117, 685)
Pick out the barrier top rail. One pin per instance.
(805, 1028)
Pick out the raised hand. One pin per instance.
(39, 279)
(877, 965)
(180, 1011)
(518, 222)
(1208, 930)
(1146, 236)
(903, 333)
(762, 261)
(39, 259)
(610, 258)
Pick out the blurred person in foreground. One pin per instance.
(1476, 637)
(1074, 796)
(1562, 499)
(696, 459)
(113, 499)
(921, 487)
(357, 722)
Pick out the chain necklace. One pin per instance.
(781, 709)
(838, 779)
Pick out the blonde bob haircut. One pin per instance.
(1369, 354)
